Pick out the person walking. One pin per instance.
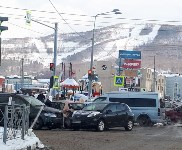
(41, 97)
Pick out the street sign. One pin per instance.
(119, 61)
(56, 82)
(131, 64)
(28, 17)
(129, 54)
(118, 80)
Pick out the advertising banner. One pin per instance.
(130, 73)
(129, 54)
(131, 64)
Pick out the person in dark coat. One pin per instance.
(41, 97)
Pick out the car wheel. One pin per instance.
(76, 128)
(67, 123)
(101, 125)
(129, 126)
(168, 120)
(144, 121)
(38, 124)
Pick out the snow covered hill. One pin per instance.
(148, 38)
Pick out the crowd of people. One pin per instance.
(41, 97)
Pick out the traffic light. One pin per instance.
(51, 82)
(89, 74)
(52, 67)
(2, 28)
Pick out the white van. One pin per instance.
(144, 105)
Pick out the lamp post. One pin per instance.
(154, 84)
(115, 11)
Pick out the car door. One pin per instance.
(178, 113)
(111, 115)
(121, 114)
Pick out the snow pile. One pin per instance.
(18, 144)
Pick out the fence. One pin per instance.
(15, 119)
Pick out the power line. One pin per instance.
(73, 14)
(25, 28)
(42, 11)
(65, 20)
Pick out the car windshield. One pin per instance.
(100, 99)
(32, 100)
(95, 107)
(76, 106)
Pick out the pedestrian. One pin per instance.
(31, 94)
(41, 97)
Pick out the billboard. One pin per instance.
(129, 54)
(130, 73)
(131, 64)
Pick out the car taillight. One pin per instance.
(159, 112)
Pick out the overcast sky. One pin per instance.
(162, 10)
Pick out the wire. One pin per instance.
(25, 28)
(42, 11)
(72, 14)
(66, 21)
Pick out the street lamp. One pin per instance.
(115, 11)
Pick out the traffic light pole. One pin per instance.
(55, 47)
(2, 28)
(55, 53)
(0, 49)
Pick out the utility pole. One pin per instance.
(28, 20)
(55, 53)
(154, 82)
(22, 73)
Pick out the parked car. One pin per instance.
(144, 105)
(174, 114)
(49, 117)
(102, 116)
(67, 107)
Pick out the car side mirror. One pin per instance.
(108, 111)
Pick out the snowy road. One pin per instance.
(141, 138)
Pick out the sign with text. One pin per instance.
(130, 73)
(131, 64)
(129, 54)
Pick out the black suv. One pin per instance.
(49, 117)
(103, 116)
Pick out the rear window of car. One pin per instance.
(95, 107)
(32, 100)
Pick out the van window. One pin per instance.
(100, 99)
(136, 102)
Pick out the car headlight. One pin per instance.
(93, 114)
(74, 113)
(50, 115)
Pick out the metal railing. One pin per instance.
(15, 119)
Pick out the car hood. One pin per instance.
(84, 112)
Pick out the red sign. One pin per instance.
(131, 64)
